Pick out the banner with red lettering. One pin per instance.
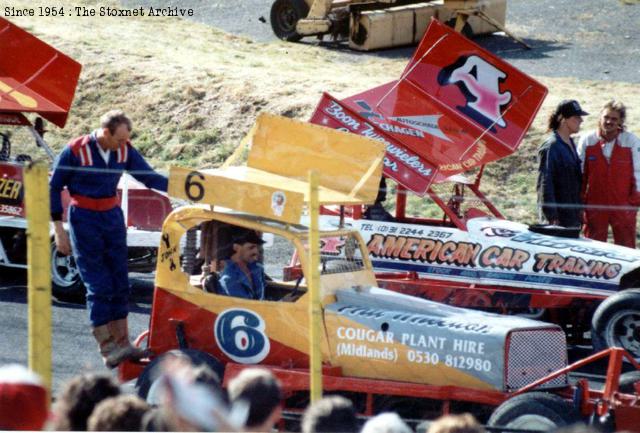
(456, 105)
(11, 190)
(400, 163)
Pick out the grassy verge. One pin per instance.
(193, 91)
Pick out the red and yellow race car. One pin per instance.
(385, 350)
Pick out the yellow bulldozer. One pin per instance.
(371, 25)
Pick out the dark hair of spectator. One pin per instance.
(260, 389)
(156, 419)
(78, 399)
(554, 119)
(120, 413)
(331, 414)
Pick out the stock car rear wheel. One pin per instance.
(616, 323)
(66, 284)
(533, 411)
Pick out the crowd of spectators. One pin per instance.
(185, 397)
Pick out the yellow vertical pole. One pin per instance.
(315, 312)
(36, 187)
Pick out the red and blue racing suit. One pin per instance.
(96, 223)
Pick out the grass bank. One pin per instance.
(194, 91)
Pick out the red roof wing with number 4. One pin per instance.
(456, 106)
(35, 77)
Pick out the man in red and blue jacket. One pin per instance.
(611, 177)
(90, 167)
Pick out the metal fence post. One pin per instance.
(315, 311)
(36, 187)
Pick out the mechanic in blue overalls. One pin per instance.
(90, 168)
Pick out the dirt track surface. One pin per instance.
(589, 39)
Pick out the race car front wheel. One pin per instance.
(616, 323)
(539, 411)
(66, 284)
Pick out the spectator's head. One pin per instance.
(386, 423)
(189, 402)
(612, 118)
(463, 423)
(156, 419)
(330, 414)
(78, 399)
(262, 392)
(120, 413)
(246, 246)
(23, 399)
(567, 116)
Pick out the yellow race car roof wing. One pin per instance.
(274, 183)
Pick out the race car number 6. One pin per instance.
(240, 335)
(193, 187)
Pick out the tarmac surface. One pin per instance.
(586, 39)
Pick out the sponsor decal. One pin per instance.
(336, 111)
(10, 210)
(558, 244)
(555, 263)
(10, 190)
(475, 159)
(414, 319)
(423, 250)
(354, 343)
(504, 258)
(550, 261)
(169, 252)
(278, 200)
(400, 163)
(332, 246)
(240, 334)
(425, 123)
(21, 98)
(479, 81)
(498, 232)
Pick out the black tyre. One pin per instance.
(534, 411)
(284, 16)
(66, 284)
(627, 380)
(151, 373)
(616, 323)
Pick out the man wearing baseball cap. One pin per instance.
(243, 274)
(560, 174)
(611, 165)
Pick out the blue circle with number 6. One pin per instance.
(240, 335)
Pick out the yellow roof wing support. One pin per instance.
(274, 183)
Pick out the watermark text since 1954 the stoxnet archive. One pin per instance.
(95, 11)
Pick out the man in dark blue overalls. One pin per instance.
(243, 274)
(90, 167)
